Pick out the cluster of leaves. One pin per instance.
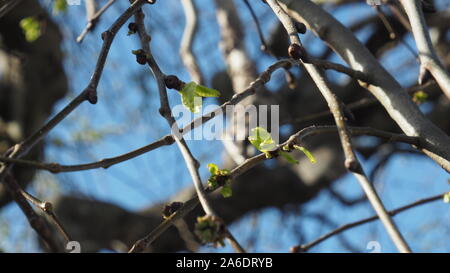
(263, 141)
(192, 93)
(220, 177)
(210, 229)
(31, 28)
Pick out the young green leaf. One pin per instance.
(213, 168)
(192, 93)
(226, 191)
(262, 140)
(288, 157)
(203, 91)
(212, 182)
(307, 153)
(189, 99)
(31, 28)
(420, 97)
(59, 6)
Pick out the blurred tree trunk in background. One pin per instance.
(32, 79)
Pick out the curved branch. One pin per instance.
(352, 163)
(427, 54)
(385, 88)
(190, 29)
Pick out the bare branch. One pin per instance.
(351, 161)
(306, 247)
(93, 19)
(191, 163)
(386, 89)
(190, 12)
(427, 54)
(258, 159)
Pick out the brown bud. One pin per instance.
(297, 52)
(104, 35)
(141, 57)
(172, 82)
(171, 209)
(91, 96)
(300, 27)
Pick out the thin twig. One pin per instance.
(306, 247)
(351, 161)
(93, 20)
(34, 219)
(262, 79)
(191, 163)
(104, 163)
(190, 29)
(47, 208)
(89, 94)
(264, 46)
(249, 163)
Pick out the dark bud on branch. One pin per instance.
(91, 95)
(172, 82)
(296, 52)
(171, 209)
(105, 35)
(300, 27)
(141, 57)
(132, 28)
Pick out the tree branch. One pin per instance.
(428, 57)
(385, 88)
(306, 247)
(351, 161)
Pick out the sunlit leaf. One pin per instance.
(262, 140)
(189, 99)
(420, 97)
(226, 191)
(213, 168)
(203, 91)
(307, 153)
(31, 28)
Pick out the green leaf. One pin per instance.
(212, 182)
(224, 172)
(288, 157)
(203, 91)
(226, 191)
(189, 99)
(213, 168)
(59, 6)
(420, 97)
(31, 28)
(262, 140)
(447, 197)
(307, 153)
